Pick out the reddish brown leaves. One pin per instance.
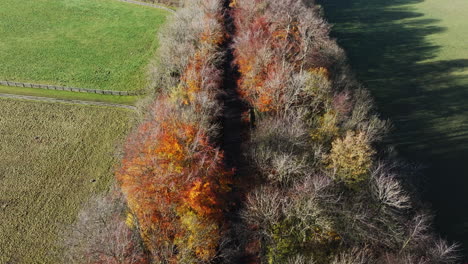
(173, 175)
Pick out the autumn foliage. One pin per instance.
(314, 186)
(351, 158)
(173, 174)
(271, 45)
(313, 147)
(175, 184)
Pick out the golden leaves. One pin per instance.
(351, 158)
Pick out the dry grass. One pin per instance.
(52, 158)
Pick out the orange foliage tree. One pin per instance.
(272, 45)
(173, 174)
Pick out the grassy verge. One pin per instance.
(126, 100)
(52, 158)
(103, 44)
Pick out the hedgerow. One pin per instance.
(329, 195)
(173, 176)
(319, 188)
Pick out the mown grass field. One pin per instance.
(413, 56)
(53, 157)
(453, 40)
(99, 44)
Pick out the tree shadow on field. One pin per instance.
(386, 43)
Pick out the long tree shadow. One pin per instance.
(386, 43)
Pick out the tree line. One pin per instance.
(317, 186)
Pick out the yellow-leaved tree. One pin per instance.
(351, 158)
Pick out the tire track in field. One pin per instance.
(55, 100)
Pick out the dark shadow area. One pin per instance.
(386, 45)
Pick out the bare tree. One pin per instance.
(355, 255)
(100, 235)
(387, 189)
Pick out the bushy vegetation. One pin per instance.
(81, 43)
(53, 158)
(317, 188)
(327, 195)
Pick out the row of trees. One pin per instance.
(172, 175)
(328, 195)
(319, 190)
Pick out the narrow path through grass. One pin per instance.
(54, 100)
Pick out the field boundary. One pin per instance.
(56, 100)
(148, 4)
(66, 88)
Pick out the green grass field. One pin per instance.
(453, 40)
(53, 157)
(99, 44)
(413, 56)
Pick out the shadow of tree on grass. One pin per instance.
(386, 43)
